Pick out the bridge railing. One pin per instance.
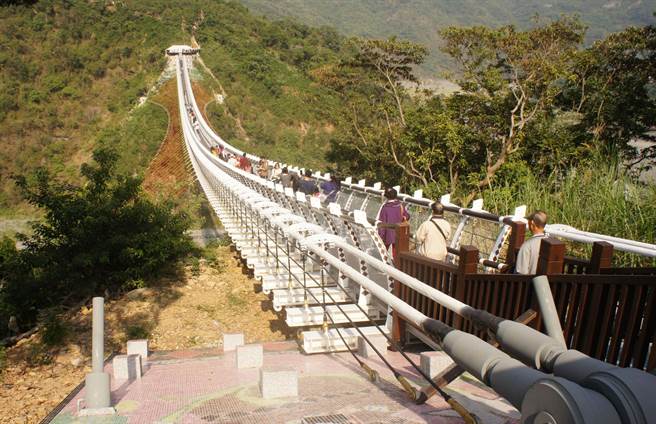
(606, 315)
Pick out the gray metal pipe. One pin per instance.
(97, 384)
(98, 335)
(541, 398)
(548, 309)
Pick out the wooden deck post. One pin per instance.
(517, 236)
(402, 246)
(402, 241)
(552, 255)
(602, 256)
(467, 264)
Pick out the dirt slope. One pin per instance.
(186, 312)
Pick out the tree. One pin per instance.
(613, 89)
(510, 79)
(439, 146)
(371, 83)
(100, 235)
(390, 63)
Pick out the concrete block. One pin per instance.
(231, 341)
(278, 383)
(127, 367)
(139, 347)
(433, 363)
(378, 340)
(250, 356)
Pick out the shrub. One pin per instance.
(103, 234)
(136, 332)
(53, 331)
(3, 359)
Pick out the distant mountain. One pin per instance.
(419, 20)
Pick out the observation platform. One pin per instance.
(205, 386)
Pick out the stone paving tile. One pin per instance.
(205, 386)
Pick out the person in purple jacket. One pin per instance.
(391, 214)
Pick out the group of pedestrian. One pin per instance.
(432, 236)
(327, 191)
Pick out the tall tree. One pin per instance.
(614, 90)
(510, 79)
(371, 84)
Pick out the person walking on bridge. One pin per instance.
(433, 235)
(275, 172)
(285, 178)
(390, 215)
(527, 258)
(263, 169)
(330, 189)
(307, 185)
(245, 164)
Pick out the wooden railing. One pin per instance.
(610, 317)
(572, 265)
(629, 271)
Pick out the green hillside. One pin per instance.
(72, 73)
(419, 20)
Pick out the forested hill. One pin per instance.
(72, 71)
(420, 20)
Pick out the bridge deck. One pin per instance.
(205, 386)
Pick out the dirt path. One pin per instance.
(192, 311)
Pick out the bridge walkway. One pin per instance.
(202, 386)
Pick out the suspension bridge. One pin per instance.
(575, 345)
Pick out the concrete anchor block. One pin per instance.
(378, 340)
(139, 347)
(127, 367)
(250, 356)
(433, 363)
(278, 383)
(231, 341)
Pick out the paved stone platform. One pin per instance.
(205, 386)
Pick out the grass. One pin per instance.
(136, 331)
(236, 301)
(208, 309)
(598, 197)
(139, 137)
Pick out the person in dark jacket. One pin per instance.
(330, 189)
(390, 215)
(307, 185)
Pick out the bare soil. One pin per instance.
(186, 312)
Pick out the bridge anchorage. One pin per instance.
(327, 268)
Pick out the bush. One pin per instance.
(3, 359)
(134, 332)
(102, 235)
(599, 197)
(53, 331)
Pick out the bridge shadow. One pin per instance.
(472, 394)
(279, 324)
